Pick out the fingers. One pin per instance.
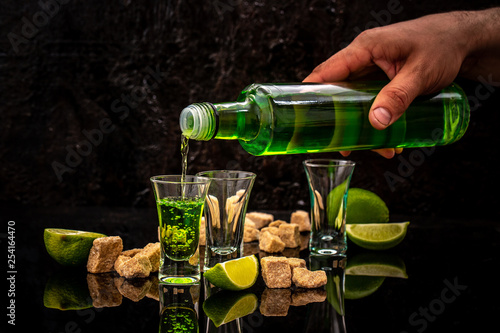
(393, 100)
(342, 65)
(384, 152)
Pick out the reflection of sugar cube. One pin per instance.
(275, 302)
(304, 278)
(305, 296)
(270, 243)
(103, 290)
(301, 218)
(276, 272)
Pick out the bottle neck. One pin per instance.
(227, 121)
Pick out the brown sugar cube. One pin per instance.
(103, 291)
(270, 243)
(138, 266)
(304, 278)
(250, 234)
(273, 230)
(152, 251)
(276, 223)
(305, 296)
(134, 290)
(275, 302)
(276, 272)
(103, 254)
(295, 263)
(249, 223)
(301, 218)
(130, 253)
(260, 219)
(289, 234)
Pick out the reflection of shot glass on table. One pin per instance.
(179, 308)
(225, 209)
(180, 208)
(328, 182)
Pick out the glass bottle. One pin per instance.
(293, 118)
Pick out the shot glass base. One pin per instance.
(213, 257)
(178, 272)
(178, 280)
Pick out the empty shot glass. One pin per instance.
(328, 182)
(225, 210)
(180, 203)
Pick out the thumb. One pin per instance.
(393, 100)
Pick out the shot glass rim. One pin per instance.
(200, 179)
(327, 162)
(250, 175)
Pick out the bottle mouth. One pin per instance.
(197, 121)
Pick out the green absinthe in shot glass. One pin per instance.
(180, 226)
(271, 119)
(178, 319)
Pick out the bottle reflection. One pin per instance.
(329, 316)
(179, 306)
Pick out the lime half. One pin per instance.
(377, 236)
(226, 306)
(69, 247)
(236, 274)
(364, 206)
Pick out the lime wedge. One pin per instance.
(236, 274)
(364, 206)
(69, 247)
(225, 306)
(376, 264)
(377, 236)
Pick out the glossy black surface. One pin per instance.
(452, 283)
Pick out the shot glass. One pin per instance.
(180, 203)
(225, 210)
(328, 182)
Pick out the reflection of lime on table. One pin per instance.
(226, 306)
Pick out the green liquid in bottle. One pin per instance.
(272, 119)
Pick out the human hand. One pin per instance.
(420, 56)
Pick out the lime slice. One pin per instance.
(377, 264)
(357, 287)
(69, 247)
(236, 274)
(364, 206)
(377, 236)
(67, 291)
(225, 306)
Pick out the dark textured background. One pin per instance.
(92, 61)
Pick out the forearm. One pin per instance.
(481, 29)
